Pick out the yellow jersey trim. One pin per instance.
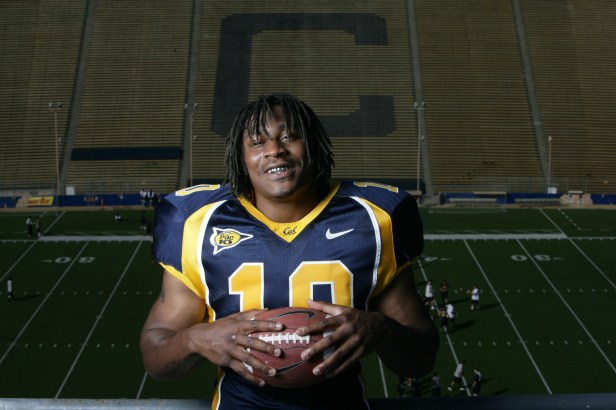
(289, 230)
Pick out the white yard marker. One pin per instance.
(508, 316)
(449, 342)
(98, 318)
(23, 329)
(568, 307)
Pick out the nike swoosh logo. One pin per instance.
(334, 235)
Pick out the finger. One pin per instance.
(313, 328)
(252, 326)
(246, 371)
(328, 341)
(338, 361)
(336, 366)
(330, 322)
(242, 355)
(254, 343)
(315, 304)
(326, 307)
(250, 314)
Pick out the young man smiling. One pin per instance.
(280, 233)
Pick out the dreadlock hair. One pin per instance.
(297, 116)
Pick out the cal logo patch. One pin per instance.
(226, 238)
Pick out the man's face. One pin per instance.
(277, 163)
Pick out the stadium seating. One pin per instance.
(133, 94)
(124, 80)
(39, 44)
(571, 49)
(478, 119)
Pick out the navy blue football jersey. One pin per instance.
(345, 251)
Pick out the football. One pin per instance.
(291, 370)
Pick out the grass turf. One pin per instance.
(546, 276)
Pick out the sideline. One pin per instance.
(95, 238)
(494, 236)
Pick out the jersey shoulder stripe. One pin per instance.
(401, 209)
(176, 219)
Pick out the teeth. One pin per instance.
(277, 170)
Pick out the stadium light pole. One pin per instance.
(55, 107)
(549, 163)
(191, 118)
(419, 107)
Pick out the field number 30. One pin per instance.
(540, 258)
(67, 259)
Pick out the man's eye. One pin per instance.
(257, 141)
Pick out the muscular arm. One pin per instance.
(410, 339)
(175, 340)
(397, 327)
(165, 340)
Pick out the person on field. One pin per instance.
(458, 375)
(444, 292)
(474, 297)
(29, 226)
(476, 385)
(429, 296)
(10, 289)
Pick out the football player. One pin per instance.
(278, 233)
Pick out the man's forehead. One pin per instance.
(261, 124)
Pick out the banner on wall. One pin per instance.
(40, 201)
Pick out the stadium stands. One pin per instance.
(571, 48)
(39, 45)
(477, 111)
(339, 55)
(133, 94)
(124, 71)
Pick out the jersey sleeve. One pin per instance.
(168, 236)
(400, 226)
(406, 224)
(407, 230)
(402, 239)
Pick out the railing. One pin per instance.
(595, 401)
(519, 184)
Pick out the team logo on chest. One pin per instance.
(226, 238)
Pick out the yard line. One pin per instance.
(590, 336)
(43, 302)
(550, 219)
(508, 316)
(23, 255)
(592, 263)
(145, 376)
(453, 351)
(95, 238)
(98, 318)
(493, 236)
(54, 222)
(383, 378)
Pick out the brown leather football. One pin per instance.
(291, 370)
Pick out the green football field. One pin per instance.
(547, 278)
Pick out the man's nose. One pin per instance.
(274, 147)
